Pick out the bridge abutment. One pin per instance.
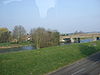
(96, 38)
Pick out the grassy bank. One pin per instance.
(42, 61)
(12, 45)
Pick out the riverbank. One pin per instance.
(44, 60)
(13, 45)
(16, 45)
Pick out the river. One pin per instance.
(33, 48)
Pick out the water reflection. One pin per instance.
(86, 40)
(64, 43)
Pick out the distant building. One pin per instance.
(28, 37)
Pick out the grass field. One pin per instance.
(12, 44)
(42, 61)
(5, 44)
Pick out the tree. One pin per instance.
(37, 36)
(19, 33)
(56, 38)
(5, 35)
(44, 38)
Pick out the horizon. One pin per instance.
(64, 16)
(78, 31)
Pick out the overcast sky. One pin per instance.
(62, 15)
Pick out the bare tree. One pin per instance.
(37, 36)
(19, 32)
(44, 38)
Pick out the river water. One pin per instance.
(33, 48)
(86, 40)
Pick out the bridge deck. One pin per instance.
(89, 35)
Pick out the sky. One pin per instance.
(66, 16)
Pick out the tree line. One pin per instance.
(40, 37)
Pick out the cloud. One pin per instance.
(10, 1)
(44, 6)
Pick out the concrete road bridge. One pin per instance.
(76, 37)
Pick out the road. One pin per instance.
(87, 66)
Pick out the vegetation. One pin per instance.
(44, 60)
(12, 44)
(5, 44)
(5, 35)
(40, 37)
(44, 38)
(19, 33)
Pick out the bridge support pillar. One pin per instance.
(72, 40)
(78, 40)
(97, 38)
(75, 40)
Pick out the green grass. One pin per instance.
(5, 44)
(42, 61)
(14, 43)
